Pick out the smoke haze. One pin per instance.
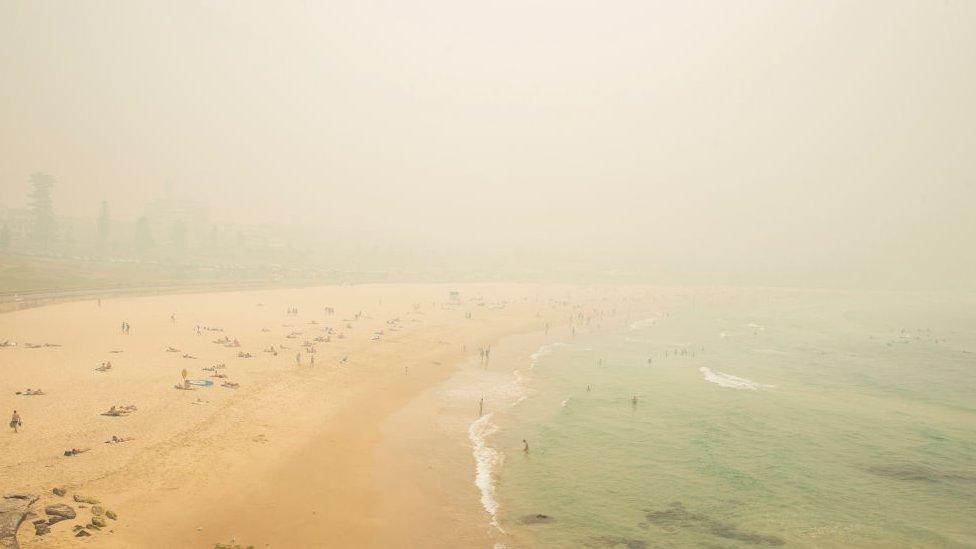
(807, 143)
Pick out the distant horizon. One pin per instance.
(814, 144)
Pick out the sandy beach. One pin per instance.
(288, 457)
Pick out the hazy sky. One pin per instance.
(833, 138)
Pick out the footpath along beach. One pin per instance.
(270, 440)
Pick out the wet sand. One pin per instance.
(289, 458)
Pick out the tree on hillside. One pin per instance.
(103, 223)
(42, 209)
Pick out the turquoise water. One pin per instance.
(797, 419)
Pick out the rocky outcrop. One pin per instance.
(58, 512)
(13, 511)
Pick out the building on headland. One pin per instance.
(19, 222)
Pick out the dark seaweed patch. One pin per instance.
(917, 473)
(676, 516)
(610, 541)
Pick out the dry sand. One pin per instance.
(286, 460)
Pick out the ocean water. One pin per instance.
(807, 419)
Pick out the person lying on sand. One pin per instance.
(76, 451)
(172, 350)
(230, 384)
(187, 355)
(243, 355)
(8, 343)
(31, 392)
(106, 366)
(117, 439)
(120, 410)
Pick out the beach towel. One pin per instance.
(201, 382)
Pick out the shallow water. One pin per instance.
(802, 419)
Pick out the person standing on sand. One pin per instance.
(481, 407)
(15, 422)
(298, 358)
(311, 360)
(526, 447)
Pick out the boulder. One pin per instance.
(82, 533)
(111, 514)
(97, 510)
(13, 511)
(99, 521)
(41, 529)
(59, 491)
(60, 510)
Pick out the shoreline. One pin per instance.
(286, 459)
(469, 467)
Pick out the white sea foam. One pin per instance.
(520, 390)
(486, 459)
(543, 351)
(730, 381)
(769, 351)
